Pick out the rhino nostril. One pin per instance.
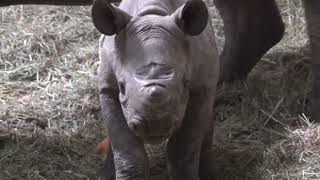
(122, 88)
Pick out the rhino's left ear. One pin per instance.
(108, 19)
(192, 17)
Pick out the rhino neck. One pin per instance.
(147, 7)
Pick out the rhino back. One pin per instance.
(137, 6)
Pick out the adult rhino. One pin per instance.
(252, 27)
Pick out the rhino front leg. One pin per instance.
(130, 158)
(207, 161)
(184, 147)
(107, 171)
(312, 12)
(251, 28)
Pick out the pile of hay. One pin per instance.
(49, 106)
(49, 110)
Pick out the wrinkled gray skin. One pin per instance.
(158, 75)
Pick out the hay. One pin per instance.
(48, 99)
(49, 109)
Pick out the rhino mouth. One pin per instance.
(154, 130)
(159, 137)
(156, 139)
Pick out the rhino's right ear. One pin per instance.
(108, 19)
(192, 17)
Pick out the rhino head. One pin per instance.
(152, 63)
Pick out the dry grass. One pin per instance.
(49, 112)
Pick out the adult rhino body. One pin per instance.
(258, 26)
(158, 75)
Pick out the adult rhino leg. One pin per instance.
(251, 28)
(312, 12)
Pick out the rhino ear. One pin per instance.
(108, 19)
(192, 17)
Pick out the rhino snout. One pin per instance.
(151, 130)
(140, 128)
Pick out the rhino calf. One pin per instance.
(157, 81)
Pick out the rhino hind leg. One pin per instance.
(251, 28)
(107, 171)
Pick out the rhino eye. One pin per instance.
(122, 88)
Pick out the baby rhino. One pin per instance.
(157, 81)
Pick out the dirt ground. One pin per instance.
(50, 117)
